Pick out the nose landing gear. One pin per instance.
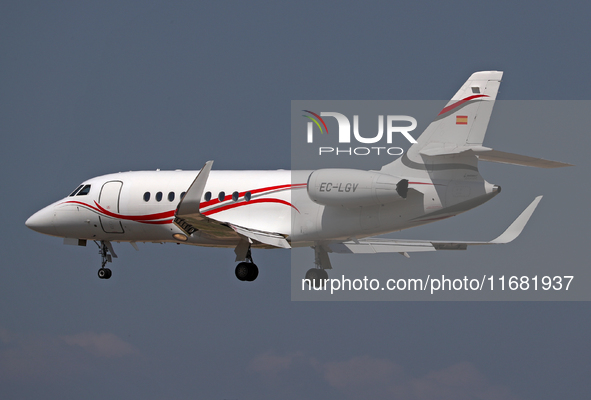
(104, 273)
(105, 248)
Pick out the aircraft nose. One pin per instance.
(42, 221)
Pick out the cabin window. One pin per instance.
(221, 196)
(235, 196)
(247, 196)
(76, 190)
(158, 196)
(171, 196)
(84, 191)
(207, 196)
(147, 196)
(183, 195)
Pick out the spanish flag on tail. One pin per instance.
(461, 120)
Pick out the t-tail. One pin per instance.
(453, 141)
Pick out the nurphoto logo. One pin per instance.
(392, 126)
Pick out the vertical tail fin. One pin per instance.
(463, 121)
(461, 124)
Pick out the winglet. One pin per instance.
(517, 226)
(191, 201)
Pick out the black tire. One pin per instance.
(253, 272)
(316, 276)
(102, 273)
(242, 271)
(109, 273)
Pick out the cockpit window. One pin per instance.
(76, 191)
(84, 191)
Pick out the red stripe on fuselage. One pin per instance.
(157, 217)
(148, 218)
(245, 203)
(209, 203)
(167, 214)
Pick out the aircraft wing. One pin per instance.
(188, 217)
(190, 220)
(378, 245)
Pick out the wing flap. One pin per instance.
(376, 245)
(273, 239)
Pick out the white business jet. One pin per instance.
(330, 210)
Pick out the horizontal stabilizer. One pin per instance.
(448, 151)
(377, 245)
(516, 159)
(488, 154)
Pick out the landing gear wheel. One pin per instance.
(104, 273)
(317, 276)
(242, 271)
(247, 271)
(104, 249)
(252, 273)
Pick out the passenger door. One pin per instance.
(109, 200)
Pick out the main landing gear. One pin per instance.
(104, 249)
(247, 270)
(318, 276)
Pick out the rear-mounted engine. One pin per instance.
(355, 188)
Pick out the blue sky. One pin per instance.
(90, 88)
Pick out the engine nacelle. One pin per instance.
(354, 188)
